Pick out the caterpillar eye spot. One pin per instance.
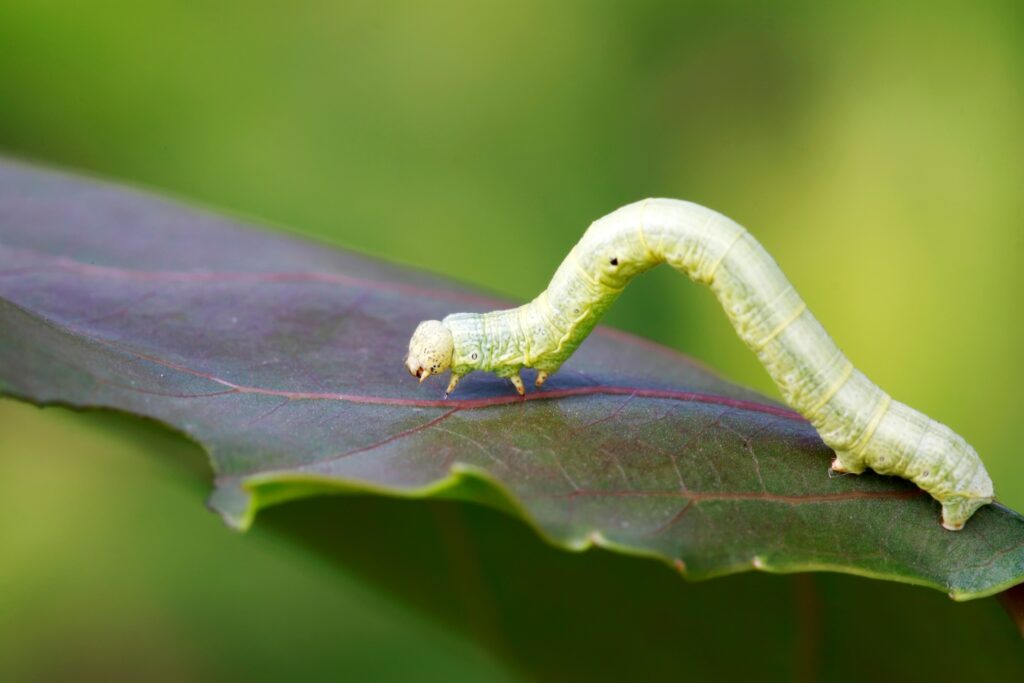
(614, 261)
(474, 356)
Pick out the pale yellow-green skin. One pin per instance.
(865, 427)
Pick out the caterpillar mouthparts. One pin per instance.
(863, 424)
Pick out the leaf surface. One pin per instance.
(283, 359)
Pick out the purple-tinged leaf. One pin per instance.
(284, 360)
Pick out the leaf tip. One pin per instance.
(235, 506)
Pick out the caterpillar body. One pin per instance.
(865, 427)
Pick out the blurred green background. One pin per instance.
(876, 150)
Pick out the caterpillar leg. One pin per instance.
(847, 463)
(956, 511)
(517, 381)
(542, 376)
(454, 382)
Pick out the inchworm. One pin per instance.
(864, 426)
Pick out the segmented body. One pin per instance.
(857, 419)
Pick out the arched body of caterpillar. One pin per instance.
(864, 426)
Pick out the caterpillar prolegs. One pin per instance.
(865, 427)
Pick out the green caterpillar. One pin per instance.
(864, 426)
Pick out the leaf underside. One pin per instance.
(283, 358)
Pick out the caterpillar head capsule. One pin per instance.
(430, 350)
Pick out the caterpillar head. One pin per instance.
(430, 349)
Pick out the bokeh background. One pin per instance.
(876, 150)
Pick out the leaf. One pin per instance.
(283, 359)
(549, 615)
